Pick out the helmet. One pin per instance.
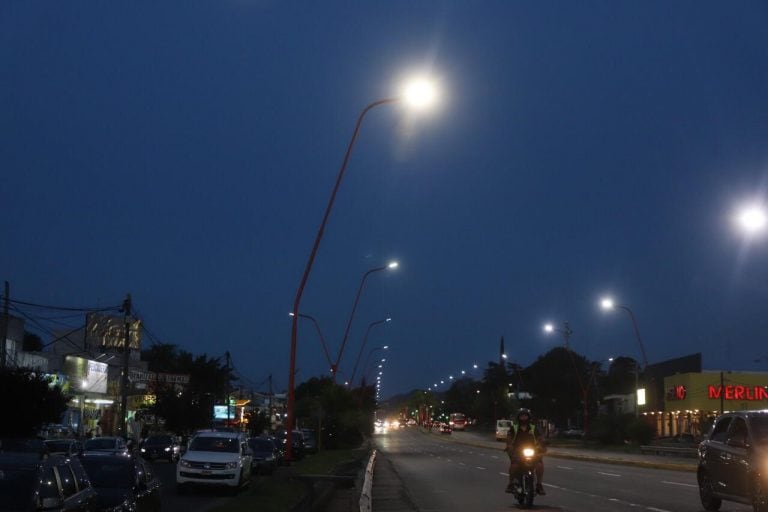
(524, 412)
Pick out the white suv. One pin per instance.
(215, 459)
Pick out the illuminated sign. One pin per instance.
(677, 393)
(731, 392)
(641, 396)
(222, 412)
(86, 375)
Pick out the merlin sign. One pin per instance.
(750, 393)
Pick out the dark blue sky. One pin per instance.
(184, 152)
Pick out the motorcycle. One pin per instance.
(525, 482)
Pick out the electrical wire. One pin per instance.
(63, 308)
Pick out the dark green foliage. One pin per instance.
(29, 401)
(32, 342)
(621, 429)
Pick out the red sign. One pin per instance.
(730, 392)
(676, 393)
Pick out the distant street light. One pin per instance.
(391, 266)
(608, 304)
(566, 331)
(366, 369)
(416, 97)
(362, 345)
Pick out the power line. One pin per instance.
(64, 308)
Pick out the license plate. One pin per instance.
(207, 472)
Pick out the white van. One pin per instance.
(502, 429)
(215, 458)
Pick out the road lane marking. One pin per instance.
(678, 483)
(494, 456)
(563, 467)
(480, 467)
(462, 464)
(657, 509)
(507, 474)
(607, 474)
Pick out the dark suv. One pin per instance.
(54, 483)
(732, 461)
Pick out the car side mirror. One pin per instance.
(51, 503)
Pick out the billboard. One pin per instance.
(86, 375)
(223, 412)
(109, 331)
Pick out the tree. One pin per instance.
(32, 399)
(32, 342)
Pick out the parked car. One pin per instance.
(122, 483)
(163, 446)
(265, 455)
(68, 447)
(280, 450)
(573, 433)
(732, 461)
(23, 445)
(297, 442)
(215, 459)
(445, 428)
(116, 445)
(310, 440)
(31, 482)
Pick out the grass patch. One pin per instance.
(280, 492)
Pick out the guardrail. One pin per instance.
(683, 451)
(366, 498)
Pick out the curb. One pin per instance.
(366, 497)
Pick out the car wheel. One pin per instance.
(707, 493)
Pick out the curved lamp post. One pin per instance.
(367, 359)
(362, 346)
(418, 94)
(566, 332)
(391, 266)
(320, 334)
(608, 304)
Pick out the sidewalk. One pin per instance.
(389, 493)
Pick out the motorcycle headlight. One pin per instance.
(528, 452)
(185, 463)
(167, 448)
(233, 465)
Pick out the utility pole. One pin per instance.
(6, 319)
(271, 411)
(226, 399)
(122, 428)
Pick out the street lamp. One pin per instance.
(752, 219)
(362, 345)
(608, 304)
(414, 96)
(367, 359)
(320, 334)
(391, 266)
(566, 331)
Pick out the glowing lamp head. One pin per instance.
(393, 265)
(607, 303)
(420, 93)
(752, 219)
(549, 328)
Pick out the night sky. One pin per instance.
(185, 152)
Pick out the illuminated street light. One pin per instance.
(391, 266)
(566, 331)
(420, 93)
(418, 96)
(752, 219)
(362, 345)
(608, 304)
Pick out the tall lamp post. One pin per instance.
(368, 358)
(608, 304)
(417, 94)
(567, 332)
(335, 366)
(362, 346)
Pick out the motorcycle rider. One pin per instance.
(523, 433)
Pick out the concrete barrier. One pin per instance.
(366, 497)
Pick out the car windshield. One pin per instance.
(16, 486)
(262, 445)
(58, 446)
(159, 440)
(759, 427)
(100, 444)
(215, 444)
(109, 472)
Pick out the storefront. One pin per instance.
(693, 400)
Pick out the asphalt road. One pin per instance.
(442, 475)
(197, 500)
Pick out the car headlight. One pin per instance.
(233, 465)
(167, 448)
(185, 463)
(143, 450)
